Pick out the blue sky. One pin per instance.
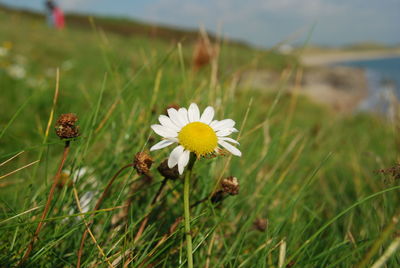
(260, 22)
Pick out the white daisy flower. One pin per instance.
(195, 133)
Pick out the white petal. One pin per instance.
(230, 148)
(175, 117)
(193, 113)
(161, 144)
(166, 122)
(228, 139)
(164, 131)
(226, 132)
(226, 123)
(184, 115)
(212, 124)
(183, 161)
(207, 115)
(174, 156)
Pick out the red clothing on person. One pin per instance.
(58, 16)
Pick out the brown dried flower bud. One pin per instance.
(166, 172)
(394, 172)
(230, 185)
(260, 224)
(142, 163)
(203, 53)
(65, 126)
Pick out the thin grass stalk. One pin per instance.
(47, 206)
(13, 157)
(378, 243)
(146, 219)
(225, 168)
(51, 116)
(210, 247)
(172, 228)
(18, 169)
(327, 224)
(97, 206)
(387, 254)
(88, 229)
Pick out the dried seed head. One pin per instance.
(203, 53)
(166, 172)
(393, 172)
(260, 224)
(142, 163)
(230, 185)
(65, 126)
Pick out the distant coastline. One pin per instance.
(354, 80)
(332, 57)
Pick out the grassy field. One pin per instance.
(310, 191)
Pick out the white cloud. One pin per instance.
(73, 4)
(303, 7)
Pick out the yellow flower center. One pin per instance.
(198, 138)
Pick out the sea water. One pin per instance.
(383, 83)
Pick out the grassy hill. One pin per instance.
(311, 194)
(121, 26)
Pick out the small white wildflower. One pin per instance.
(86, 201)
(16, 71)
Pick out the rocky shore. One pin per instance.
(341, 88)
(337, 56)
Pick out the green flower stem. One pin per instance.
(186, 205)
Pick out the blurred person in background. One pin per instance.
(55, 16)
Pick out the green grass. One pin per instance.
(310, 173)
